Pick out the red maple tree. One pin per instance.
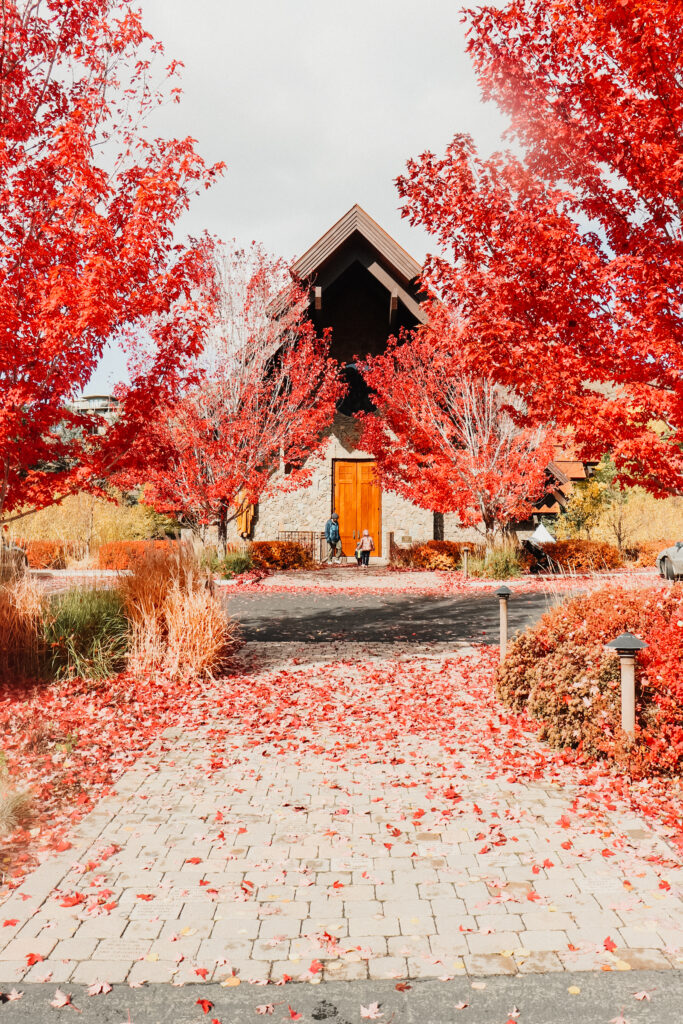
(255, 405)
(88, 205)
(446, 439)
(566, 263)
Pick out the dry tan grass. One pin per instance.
(21, 610)
(83, 522)
(15, 808)
(642, 519)
(199, 635)
(176, 622)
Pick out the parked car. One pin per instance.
(670, 562)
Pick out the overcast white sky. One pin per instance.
(313, 106)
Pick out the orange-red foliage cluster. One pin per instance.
(561, 673)
(45, 554)
(89, 250)
(128, 554)
(280, 554)
(643, 554)
(584, 555)
(568, 242)
(435, 554)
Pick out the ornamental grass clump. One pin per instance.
(233, 562)
(15, 808)
(85, 633)
(177, 623)
(502, 562)
(561, 674)
(199, 635)
(21, 611)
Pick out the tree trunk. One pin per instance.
(223, 527)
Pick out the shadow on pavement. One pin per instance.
(368, 618)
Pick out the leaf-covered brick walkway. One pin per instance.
(346, 812)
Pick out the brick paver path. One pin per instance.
(355, 842)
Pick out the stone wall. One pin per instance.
(308, 508)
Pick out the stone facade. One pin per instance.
(308, 508)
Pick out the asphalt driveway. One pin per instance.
(317, 618)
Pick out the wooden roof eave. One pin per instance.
(357, 220)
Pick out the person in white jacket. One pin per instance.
(367, 545)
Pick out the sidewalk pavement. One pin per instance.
(345, 838)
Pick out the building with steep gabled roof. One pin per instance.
(365, 288)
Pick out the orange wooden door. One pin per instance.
(345, 488)
(358, 500)
(369, 505)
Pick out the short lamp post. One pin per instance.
(466, 560)
(503, 594)
(627, 646)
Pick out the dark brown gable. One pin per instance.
(364, 286)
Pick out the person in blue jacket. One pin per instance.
(333, 539)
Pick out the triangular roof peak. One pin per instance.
(357, 221)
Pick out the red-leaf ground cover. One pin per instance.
(68, 742)
(409, 581)
(561, 673)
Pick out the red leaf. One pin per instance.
(205, 1004)
(33, 958)
(609, 944)
(73, 900)
(294, 1015)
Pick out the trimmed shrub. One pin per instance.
(128, 554)
(83, 522)
(86, 634)
(444, 555)
(583, 555)
(560, 672)
(644, 554)
(45, 554)
(280, 554)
